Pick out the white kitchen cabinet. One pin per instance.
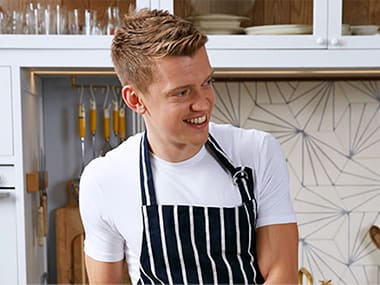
(8, 244)
(327, 20)
(6, 142)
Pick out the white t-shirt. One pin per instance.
(110, 196)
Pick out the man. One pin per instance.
(187, 201)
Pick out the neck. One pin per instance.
(172, 152)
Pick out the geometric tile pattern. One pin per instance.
(330, 134)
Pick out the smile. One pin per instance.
(195, 121)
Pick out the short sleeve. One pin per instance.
(102, 240)
(274, 203)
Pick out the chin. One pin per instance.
(200, 138)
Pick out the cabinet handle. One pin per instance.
(334, 42)
(321, 41)
(5, 193)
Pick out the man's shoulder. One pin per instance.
(119, 157)
(230, 133)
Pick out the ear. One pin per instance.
(133, 100)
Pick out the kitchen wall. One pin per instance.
(330, 135)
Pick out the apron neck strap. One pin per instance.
(146, 176)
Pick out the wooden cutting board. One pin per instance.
(69, 241)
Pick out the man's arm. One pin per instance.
(277, 253)
(104, 272)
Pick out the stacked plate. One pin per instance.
(279, 30)
(365, 30)
(218, 24)
(346, 30)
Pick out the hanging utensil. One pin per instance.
(82, 128)
(122, 127)
(115, 118)
(115, 113)
(122, 123)
(93, 120)
(106, 125)
(43, 177)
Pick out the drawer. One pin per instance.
(7, 177)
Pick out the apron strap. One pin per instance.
(241, 176)
(148, 192)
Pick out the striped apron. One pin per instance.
(184, 244)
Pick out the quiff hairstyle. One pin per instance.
(145, 37)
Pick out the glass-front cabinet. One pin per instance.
(230, 24)
(283, 24)
(354, 24)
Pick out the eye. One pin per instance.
(183, 92)
(208, 82)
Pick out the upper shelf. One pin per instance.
(55, 42)
(80, 51)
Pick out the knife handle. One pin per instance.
(122, 127)
(106, 122)
(40, 226)
(82, 120)
(92, 117)
(115, 117)
(45, 213)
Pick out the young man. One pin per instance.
(187, 201)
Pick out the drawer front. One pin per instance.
(7, 177)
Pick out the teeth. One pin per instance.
(199, 120)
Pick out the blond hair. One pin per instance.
(146, 36)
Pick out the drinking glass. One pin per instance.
(3, 23)
(17, 22)
(73, 22)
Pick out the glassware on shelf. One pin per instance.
(116, 17)
(73, 22)
(37, 18)
(87, 22)
(110, 28)
(3, 23)
(16, 22)
(60, 20)
(29, 27)
(113, 20)
(96, 27)
(91, 25)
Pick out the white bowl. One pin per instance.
(279, 30)
(217, 21)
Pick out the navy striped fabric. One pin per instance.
(185, 244)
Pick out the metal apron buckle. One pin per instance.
(240, 174)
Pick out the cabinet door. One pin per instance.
(266, 26)
(8, 246)
(354, 24)
(6, 141)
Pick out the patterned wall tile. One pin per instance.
(330, 135)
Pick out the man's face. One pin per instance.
(179, 104)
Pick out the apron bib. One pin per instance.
(184, 244)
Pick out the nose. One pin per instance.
(203, 101)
